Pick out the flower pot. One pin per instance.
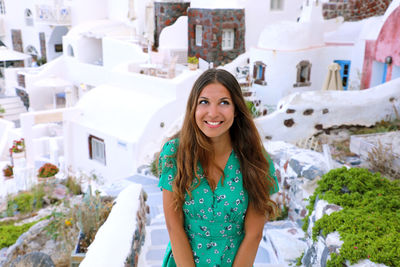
(8, 177)
(77, 256)
(192, 66)
(46, 179)
(18, 155)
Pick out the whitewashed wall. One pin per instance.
(174, 37)
(330, 109)
(88, 10)
(119, 51)
(259, 14)
(281, 71)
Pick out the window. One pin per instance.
(97, 149)
(228, 38)
(276, 5)
(303, 74)
(58, 48)
(199, 35)
(28, 17)
(259, 73)
(2, 7)
(70, 51)
(344, 72)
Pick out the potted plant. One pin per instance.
(47, 172)
(192, 63)
(2, 111)
(8, 171)
(18, 149)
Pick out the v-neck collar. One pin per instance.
(220, 178)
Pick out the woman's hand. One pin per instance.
(181, 248)
(253, 229)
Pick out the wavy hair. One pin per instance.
(246, 143)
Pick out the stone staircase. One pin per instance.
(13, 107)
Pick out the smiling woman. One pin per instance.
(216, 179)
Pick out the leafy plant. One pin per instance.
(2, 110)
(9, 233)
(73, 185)
(18, 146)
(8, 171)
(252, 108)
(47, 170)
(193, 60)
(368, 224)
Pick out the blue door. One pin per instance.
(344, 72)
(384, 73)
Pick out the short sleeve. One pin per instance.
(167, 165)
(275, 189)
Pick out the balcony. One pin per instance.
(55, 15)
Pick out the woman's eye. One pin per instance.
(225, 102)
(203, 102)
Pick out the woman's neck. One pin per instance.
(222, 146)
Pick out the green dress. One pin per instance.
(214, 220)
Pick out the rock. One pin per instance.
(34, 259)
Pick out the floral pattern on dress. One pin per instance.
(214, 220)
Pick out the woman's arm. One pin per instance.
(253, 229)
(181, 248)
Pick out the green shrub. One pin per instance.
(9, 233)
(368, 224)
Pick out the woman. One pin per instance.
(216, 179)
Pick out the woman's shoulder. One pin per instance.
(170, 147)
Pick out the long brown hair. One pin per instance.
(196, 147)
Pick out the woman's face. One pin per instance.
(215, 111)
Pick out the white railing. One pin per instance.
(53, 14)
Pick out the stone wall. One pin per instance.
(353, 10)
(213, 22)
(165, 14)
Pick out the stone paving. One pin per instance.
(157, 234)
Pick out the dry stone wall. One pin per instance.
(353, 10)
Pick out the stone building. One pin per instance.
(166, 13)
(216, 35)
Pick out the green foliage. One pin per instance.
(154, 166)
(283, 214)
(252, 108)
(381, 127)
(26, 202)
(73, 185)
(2, 110)
(9, 232)
(298, 260)
(368, 224)
(193, 60)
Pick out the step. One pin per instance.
(9, 99)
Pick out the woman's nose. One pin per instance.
(213, 110)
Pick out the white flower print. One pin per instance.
(232, 188)
(199, 246)
(205, 190)
(226, 203)
(216, 251)
(208, 260)
(236, 179)
(229, 183)
(201, 200)
(228, 260)
(230, 167)
(237, 201)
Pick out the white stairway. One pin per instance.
(13, 106)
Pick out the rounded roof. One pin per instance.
(210, 4)
(117, 111)
(289, 35)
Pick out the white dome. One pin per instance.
(288, 35)
(118, 112)
(210, 4)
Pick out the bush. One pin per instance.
(8, 171)
(369, 221)
(47, 170)
(9, 233)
